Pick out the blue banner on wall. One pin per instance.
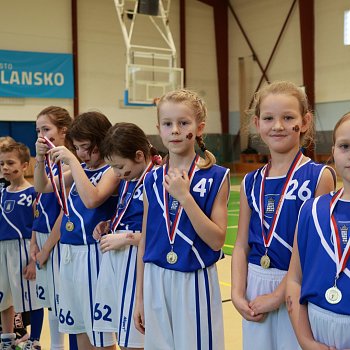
(36, 74)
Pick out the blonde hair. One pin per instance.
(287, 88)
(6, 140)
(192, 100)
(342, 120)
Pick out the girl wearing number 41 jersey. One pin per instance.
(270, 199)
(178, 302)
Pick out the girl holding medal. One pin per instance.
(52, 122)
(319, 272)
(270, 199)
(90, 200)
(131, 156)
(178, 302)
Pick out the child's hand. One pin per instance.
(100, 229)
(41, 257)
(242, 306)
(177, 184)
(115, 241)
(61, 153)
(265, 303)
(34, 250)
(139, 317)
(29, 272)
(41, 147)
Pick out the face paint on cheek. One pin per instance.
(51, 139)
(296, 128)
(15, 171)
(127, 173)
(189, 136)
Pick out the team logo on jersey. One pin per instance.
(174, 205)
(344, 233)
(9, 205)
(270, 208)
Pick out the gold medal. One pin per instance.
(36, 213)
(265, 261)
(333, 295)
(171, 257)
(69, 226)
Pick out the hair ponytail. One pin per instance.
(209, 158)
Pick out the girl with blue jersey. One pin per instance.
(178, 302)
(17, 270)
(319, 273)
(128, 151)
(270, 199)
(92, 185)
(52, 122)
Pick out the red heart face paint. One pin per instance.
(127, 173)
(296, 128)
(189, 136)
(51, 139)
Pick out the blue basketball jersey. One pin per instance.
(84, 219)
(301, 187)
(317, 254)
(16, 220)
(132, 218)
(48, 209)
(192, 252)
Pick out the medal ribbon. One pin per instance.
(293, 168)
(341, 257)
(60, 195)
(171, 228)
(118, 216)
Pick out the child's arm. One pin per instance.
(119, 240)
(211, 230)
(298, 314)
(92, 196)
(239, 265)
(51, 241)
(34, 249)
(139, 314)
(326, 183)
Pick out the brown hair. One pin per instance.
(21, 150)
(343, 119)
(125, 139)
(287, 88)
(58, 116)
(89, 126)
(192, 100)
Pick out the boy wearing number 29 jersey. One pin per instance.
(17, 288)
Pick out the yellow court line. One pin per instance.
(228, 245)
(225, 284)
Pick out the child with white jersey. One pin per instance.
(319, 273)
(270, 199)
(128, 151)
(17, 270)
(178, 301)
(90, 200)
